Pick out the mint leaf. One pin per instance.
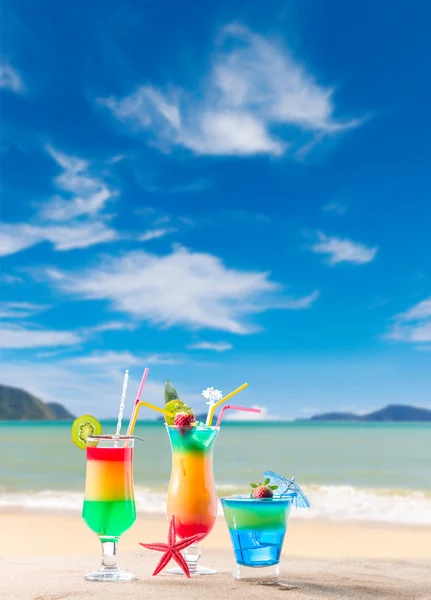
(266, 481)
(273, 487)
(170, 392)
(253, 485)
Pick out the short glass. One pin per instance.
(109, 502)
(257, 528)
(192, 495)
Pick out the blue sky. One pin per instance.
(223, 192)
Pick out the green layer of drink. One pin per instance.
(254, 514)
(109, 519)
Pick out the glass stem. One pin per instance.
(109, 555)
(191, 555)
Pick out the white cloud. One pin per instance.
(10, 279)
(20, 337)
(79, 234)
(124, 359)
(298, 303)
(216, 346)
(256, 100)
(10, 79)
(111, 326)
(343, 250)
(159, 223)
(335, 207)
(414, 325)
(54, 274)
(15, 237)
(422, 310)
(87, 194)
(67, 223)
(181, 288)
(19, 310)
(116, 159)
(232, 132)
(415, 332)
(59, 209)
(51, 353)
(153, 234)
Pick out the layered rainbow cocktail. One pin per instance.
(192, 496)
(109, 505)
(257, 528)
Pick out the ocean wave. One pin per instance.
(347, 503)
(338, 503)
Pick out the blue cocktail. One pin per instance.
(257, 528)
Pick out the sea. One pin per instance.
(375, 472)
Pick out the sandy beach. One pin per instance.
(43, 557)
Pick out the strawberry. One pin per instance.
(263, 490)
(184, 420)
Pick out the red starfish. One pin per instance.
(173, 549)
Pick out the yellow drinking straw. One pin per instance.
(228, 397)
(136, 412)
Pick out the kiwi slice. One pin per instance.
(174, 407)
(170, 392)
(83, 427)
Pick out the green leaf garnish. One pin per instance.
(266, 481)
(170, 392)
(273, 487)
(253, 485)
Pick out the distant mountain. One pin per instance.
(18, 405)
(393, 413)
(334, 416)
(58, 411)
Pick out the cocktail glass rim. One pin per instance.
(113, 437)
(248, 498)
(198, 427)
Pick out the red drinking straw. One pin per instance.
(138, 398)
(244, 408)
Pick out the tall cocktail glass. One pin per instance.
(257, 528)
(192, 496)
(109, 503)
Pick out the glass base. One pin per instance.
(110, 574)
(262, 575)
(194, 572)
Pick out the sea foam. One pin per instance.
(338, 503)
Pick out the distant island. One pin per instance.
(18, 405)
(391, 413)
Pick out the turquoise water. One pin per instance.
(343, 467)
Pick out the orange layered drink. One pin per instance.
(192, 496)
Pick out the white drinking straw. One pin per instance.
(138, 397)
(123, 398)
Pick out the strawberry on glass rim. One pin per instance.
(263, 490)
(184, 420)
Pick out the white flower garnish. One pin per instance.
(212, 395)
